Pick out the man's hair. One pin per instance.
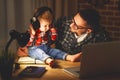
(91, 16)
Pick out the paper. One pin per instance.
(29, 60)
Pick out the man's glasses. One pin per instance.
(79, 27)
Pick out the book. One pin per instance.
(75, 71)
(29, 60)
(32, 71)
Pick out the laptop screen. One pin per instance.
(100, 59)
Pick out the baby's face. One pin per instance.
(44, 25)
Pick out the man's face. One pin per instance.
(79, 25)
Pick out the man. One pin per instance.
(83, 28)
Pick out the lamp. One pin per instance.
(7, 58)
(22, 39)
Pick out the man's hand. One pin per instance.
(22, 51)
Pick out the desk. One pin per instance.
(58, 74)
(52, 73)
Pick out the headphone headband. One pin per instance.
(40, 11)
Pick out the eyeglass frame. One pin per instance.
(79, 27)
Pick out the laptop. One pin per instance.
(98, 59)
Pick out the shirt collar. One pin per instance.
(81, 37)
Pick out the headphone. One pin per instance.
(34, 20)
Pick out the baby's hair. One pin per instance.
(43, 12)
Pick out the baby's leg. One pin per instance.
(50, 62)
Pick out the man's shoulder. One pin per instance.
(62, 20)
(101, 36)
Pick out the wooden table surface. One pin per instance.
(56, 73)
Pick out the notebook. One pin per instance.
(98, 59)
(32, 71)
(74, 71)
(29, 60)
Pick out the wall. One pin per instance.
(62, 7)
(110, 14)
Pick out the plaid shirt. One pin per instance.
(40, 38)
(66, 39)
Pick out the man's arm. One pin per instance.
(22, 51)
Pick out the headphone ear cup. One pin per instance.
(35, 23)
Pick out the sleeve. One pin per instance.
(31, 39)
(53, 34)
(62, 25)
